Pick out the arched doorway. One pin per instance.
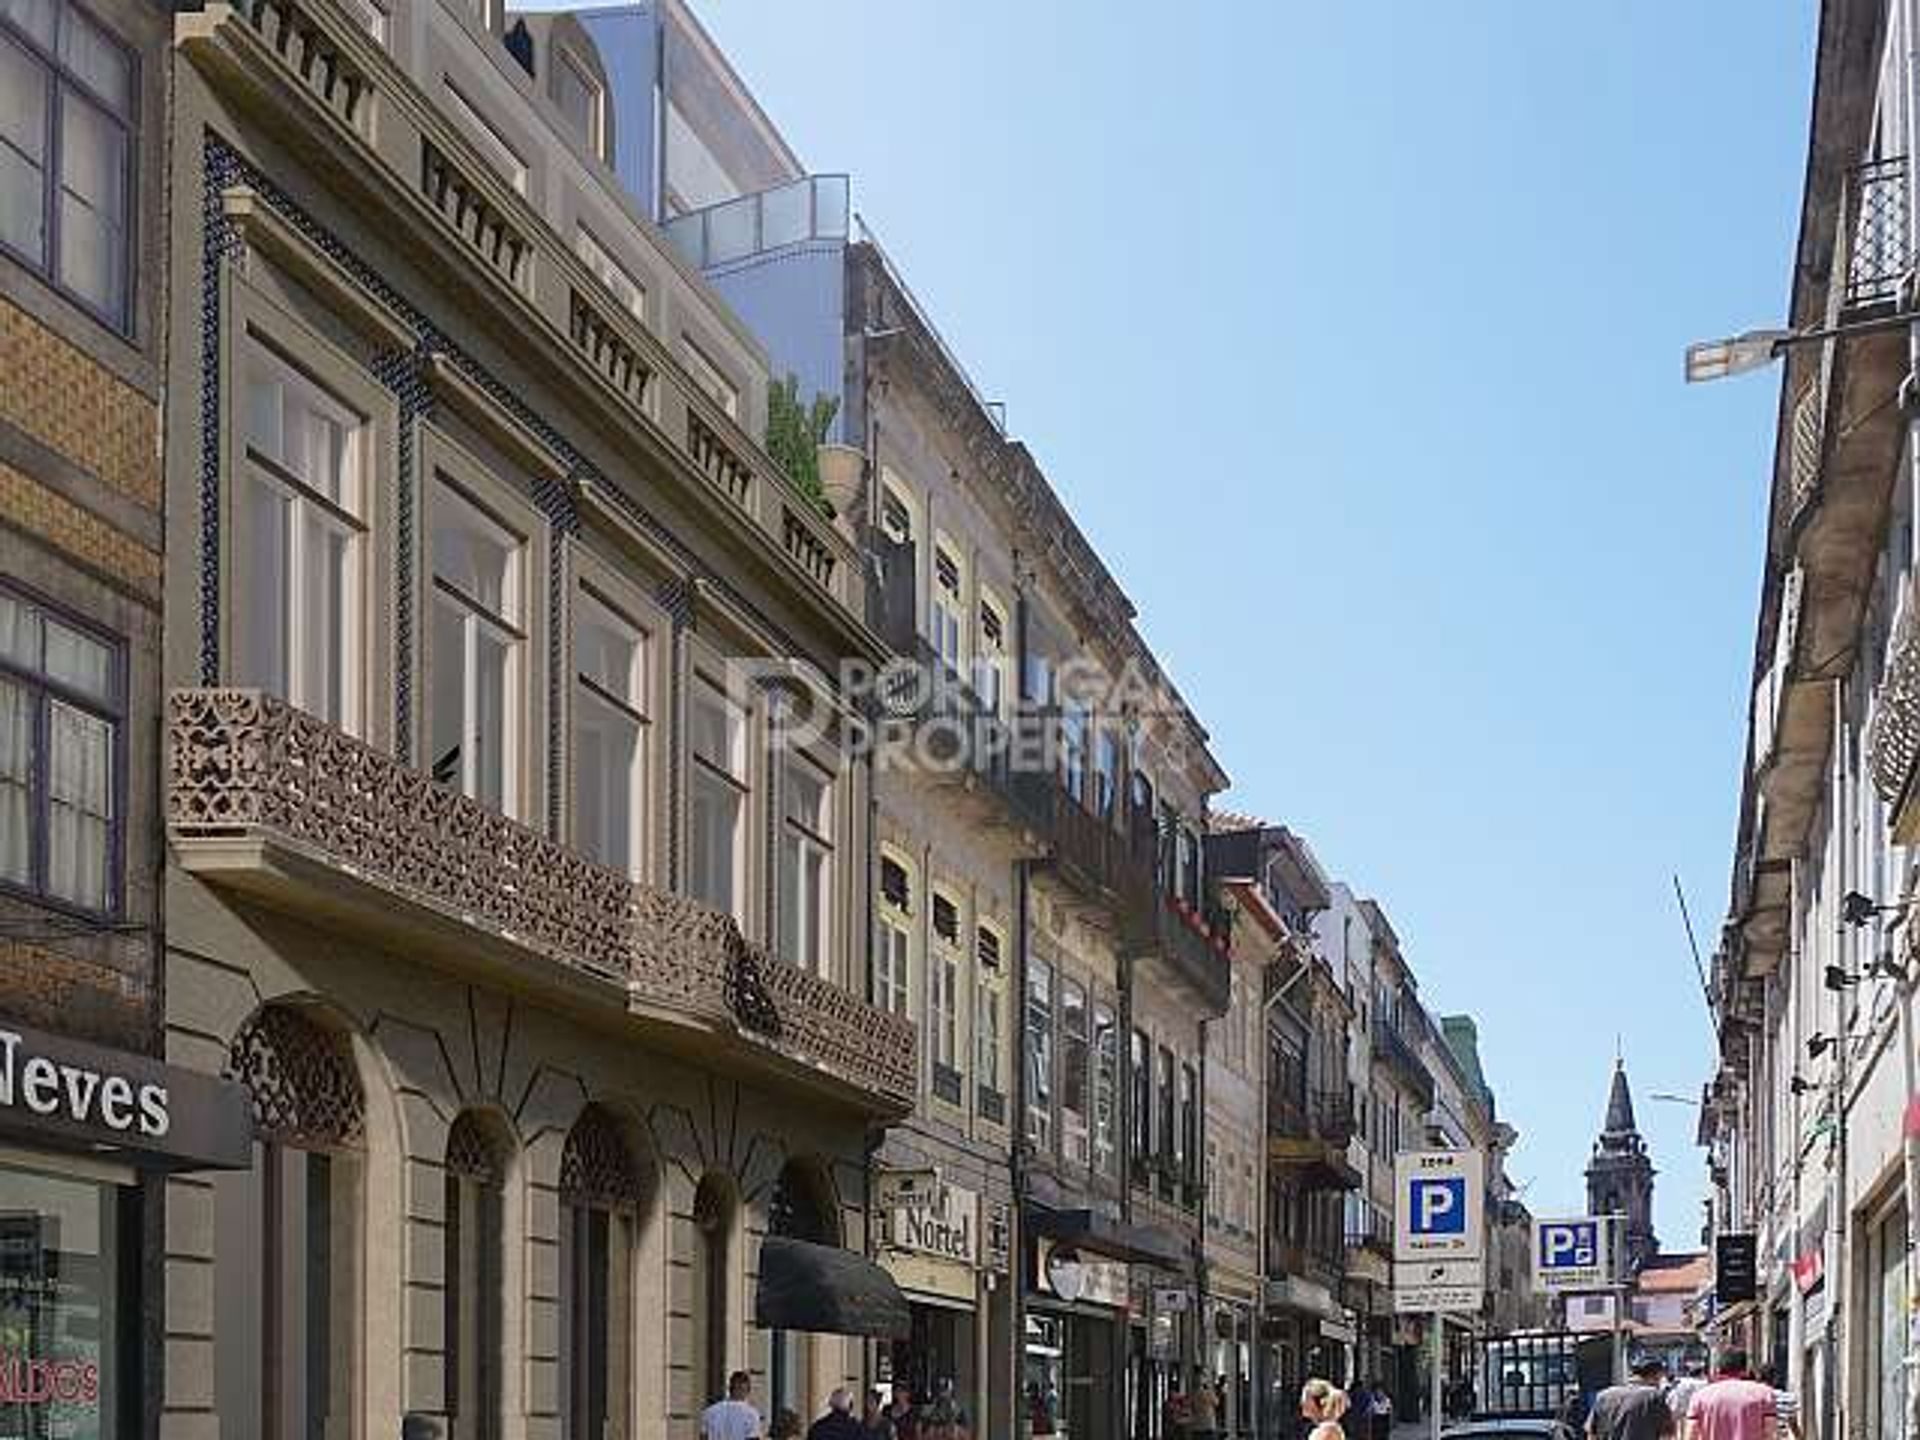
(288, 1272)
(802, 1207)
(602, 1193)
(478, 1152)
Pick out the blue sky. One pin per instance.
(1352, 335)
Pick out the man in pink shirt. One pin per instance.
(1733, 1405)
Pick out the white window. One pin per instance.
(610, 735)
(943, 971)
(719, 809)
(478, 655)
(896, 515)
(301, 526)
(893, 954)
(628, 291)
(706, 375)
(989, 1004)
(949, 609)
(806, 864)
(1076, 1073)
(492, 144)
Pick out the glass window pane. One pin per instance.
(792, 939)
(97, 60)
(607, 781)
(23, 103)
(325, 629)
(805, 797)
(60, 1302)
(80, 805)
(262, 575)
(491, 768)
(715, 836)
(783, 214)
(79, 660)
(16, 784)
(19, 632)
(475, 554)
(93, 183)
(23, 227)
(718, 730)
(607, 650)
(37, 17)
(447, 682)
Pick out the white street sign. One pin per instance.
(1453, 1273)
(1425, 1299)
(1572, 1255)
(1439, 1197)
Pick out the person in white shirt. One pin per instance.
(733, 1418)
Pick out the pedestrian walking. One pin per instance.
(1786, 1404)
(1382, 1413)
(732, 1417)
(1203, 1412)
(1322, 1403)
(1680, 1397)
(1636, 1410)
(1733, 1405)
(838, 1422)
(875, 1423)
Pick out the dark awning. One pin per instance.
(828, 1290)
(1102, 1234)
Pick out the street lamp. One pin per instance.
(1751, 349)
(1674, 1099)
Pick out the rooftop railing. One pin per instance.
(815, 207)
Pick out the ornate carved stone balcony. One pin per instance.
(265, 799)
(1893, 736)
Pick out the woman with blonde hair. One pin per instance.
(1323, 1403)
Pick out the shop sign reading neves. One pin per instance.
(113, 1099)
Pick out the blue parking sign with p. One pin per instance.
(1440, 1206)
(1570, 1244)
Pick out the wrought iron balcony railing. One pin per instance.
(247, 771)
(1880, 255)
(1893, 735)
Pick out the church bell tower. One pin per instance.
(1620, 1174)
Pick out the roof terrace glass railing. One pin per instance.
(815, 208)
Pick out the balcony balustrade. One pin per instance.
(268, 800)
(1893, 735)
(1390, 1045)
(1307, 1135)
(1880, 256)
(1194, 941)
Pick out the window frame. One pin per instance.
(609, 589)
(990, 998)
(443, 461)
(128, 123)
(594, 137)
(822, 837)
(947, 608)
(42, 690)
(946, 974)
(706, 673)
(894, 922)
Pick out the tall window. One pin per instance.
(600, 1196)
(1106, 772)
(66, 153)
(943, 999)
(989, 990)
(62, 706)
(1106, 1088)
(1169, 1111)
(1039, 1054)
(1140, 1075)
(291, 1280)
(949, 609)
(990, 656)
(475, 1293)
(478, 655)
(806, 864)
(1075, 1073)
(1074, 725)
(576, 94)
(300, 516)
(1188, 1155)
(719, 809)
(610, 735)
(892, 955)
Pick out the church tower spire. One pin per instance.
(1620, 1174)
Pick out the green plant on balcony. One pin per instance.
(795, 434)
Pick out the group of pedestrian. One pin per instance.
(939, 1416)
(1370, 1413)
(1732, 1405)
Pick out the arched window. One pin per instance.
(475, 1293)
(802, 1208)
(715, 1209)
(600, 1196)
(288, 1273)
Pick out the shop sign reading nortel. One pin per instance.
(939, 1220)
(116, 1100)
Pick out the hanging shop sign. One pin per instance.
(1076, 1277)
(942, 1222)
(113, 1102)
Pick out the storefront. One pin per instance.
(946, 1249)
(1072, 1357)
(1157, 1351)
(1230, 1343)
(85, 1132)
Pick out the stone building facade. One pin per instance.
(518, 853)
